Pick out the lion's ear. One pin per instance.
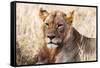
(43, 14)
(70, 17)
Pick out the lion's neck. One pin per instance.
(70, 50)
(52, 53)
(70, 45)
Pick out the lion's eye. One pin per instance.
(46, 24)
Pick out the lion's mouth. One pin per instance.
(52, 45)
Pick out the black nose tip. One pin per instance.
(51, 37)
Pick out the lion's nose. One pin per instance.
(51, 36)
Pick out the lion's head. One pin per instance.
(57, 25)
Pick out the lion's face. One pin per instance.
(56, 27)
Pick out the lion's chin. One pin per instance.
(51, 45)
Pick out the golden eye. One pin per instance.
(46, 25)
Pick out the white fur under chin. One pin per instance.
(52, 45)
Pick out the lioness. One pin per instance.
(63, 42)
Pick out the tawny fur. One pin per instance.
(72, 41)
